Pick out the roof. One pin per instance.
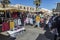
(57, 10)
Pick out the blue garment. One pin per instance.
(51, 21)
(38, 24)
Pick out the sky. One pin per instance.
(48, 4)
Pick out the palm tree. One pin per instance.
(5, 2)
(37, 3)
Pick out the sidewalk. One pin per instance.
(30, 34)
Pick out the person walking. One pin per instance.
(37, 20)
(56, 25)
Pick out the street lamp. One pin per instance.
(37, 3)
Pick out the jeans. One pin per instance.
(38, 24)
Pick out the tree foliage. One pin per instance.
(5, 2)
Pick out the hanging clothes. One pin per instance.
(8, 15)
(0, 28)
(5, 26)
(27, 20)
(0, 21)
(15, 22)
(19, 21)
(31, 21)
(11, 25)
(22, 19)
(14, 15)
(18, 13)
(2, 14)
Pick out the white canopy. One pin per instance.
(6, 8)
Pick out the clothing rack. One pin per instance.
(9, 32)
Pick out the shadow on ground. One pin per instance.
(46, 36)
(42, 37)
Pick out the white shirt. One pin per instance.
(19, 21)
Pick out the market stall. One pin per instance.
(10, 22)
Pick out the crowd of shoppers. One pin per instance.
(35, 19)
(12, 20)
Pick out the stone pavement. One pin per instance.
(30, 34)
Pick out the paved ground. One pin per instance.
(31, 34)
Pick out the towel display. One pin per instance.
(5, 26)
(11, 25)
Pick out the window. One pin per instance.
(24, 8)
(20, 7)
(30, 8)
(27, 8)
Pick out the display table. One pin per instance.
(6, 36)
(15, 31)
(4, 33)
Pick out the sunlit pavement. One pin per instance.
(31, 33)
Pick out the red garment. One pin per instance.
(14, 15)
(5, 26)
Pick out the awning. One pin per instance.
(6, 8)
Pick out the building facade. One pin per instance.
(23, 7)
(57, 10)
(26, 8)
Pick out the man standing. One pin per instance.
(37, 20)
(57, 24)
